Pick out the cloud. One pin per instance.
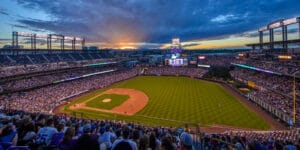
(5, 39)
(38, 41)
(31, 28)
(154, 21)
(223, 18)
(190, 43)
(3, 12)
(293, 30)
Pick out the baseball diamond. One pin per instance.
(172, 102)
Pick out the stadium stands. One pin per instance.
(281, 84)
(33, 68)
(47, 98)
(21, 72)
(105, 134)
(175, 71)
(4, 60)
(286, 68)
(275, 90)
(41, 80)
(22, 59)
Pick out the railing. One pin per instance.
(278, 113)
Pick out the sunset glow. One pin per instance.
(138, 24)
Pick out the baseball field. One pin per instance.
(167, 101)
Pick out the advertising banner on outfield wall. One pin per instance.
(253, 85)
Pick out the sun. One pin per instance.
(128, 47)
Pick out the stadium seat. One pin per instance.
(18, 148)
(5, 145)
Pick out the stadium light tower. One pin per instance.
(49, 44)
(14, 39)
(49, 37)
(294, 100)
(33, 41)
(83, 43)
(278, 24)
(271, 27)
(261, 35)
(62, 42)
(74, 43)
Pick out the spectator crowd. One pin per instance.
(46, 98)
(283, 67)
(37, 128)
(40, 131)
(272, 89)
(44, 79)
(175, 71)
(6, 71)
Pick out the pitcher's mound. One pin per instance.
(107, 100)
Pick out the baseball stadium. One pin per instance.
(58, 91)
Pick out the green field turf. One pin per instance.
(174, 101)
(116, 100)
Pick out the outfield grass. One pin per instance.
(174, 101)
(116, 100)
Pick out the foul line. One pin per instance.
(160, 118)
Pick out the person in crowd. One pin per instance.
(86, 140)
(9, 134)
(153, 144)
(125, 143)
(30, 134)
(186, 141)
(57, 137)
(136, 136)
(107, 137)
(166, 144)
(45, 134)
(68, 142)
(144, 143)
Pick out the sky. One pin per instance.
(200, 24)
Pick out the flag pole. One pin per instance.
(294, 115)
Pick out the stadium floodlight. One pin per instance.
(275, 24)
(264, 28)
(25, 34)
(290, 21)
(78, 39)
(69, 38)
(41, 35)
(56, 36)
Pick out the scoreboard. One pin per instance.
(176, 62)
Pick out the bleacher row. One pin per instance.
(9, 60)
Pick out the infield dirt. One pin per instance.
(137, 101)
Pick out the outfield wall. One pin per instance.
(277, 113)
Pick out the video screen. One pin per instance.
(177, 62)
